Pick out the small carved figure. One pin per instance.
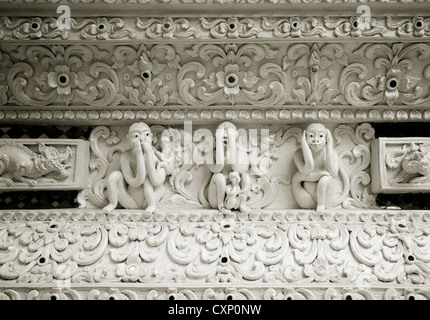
(235, 196)
(20, 164)
(318, 167)
(228, 158)
(167, 155)
(139, 184)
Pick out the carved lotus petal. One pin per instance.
(64, 91)
(52, 79)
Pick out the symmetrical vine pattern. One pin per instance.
(271, 66)
(212, 77)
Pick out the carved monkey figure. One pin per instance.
(318, 167)
(139, 183)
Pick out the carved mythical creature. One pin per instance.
(415, 164)
(139, 183)
(318, 167)
(20, 164)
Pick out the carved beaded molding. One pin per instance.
(254, 65)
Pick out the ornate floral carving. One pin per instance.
(204, 76)
(394, 84)
(62, 82)
(163, 28)
(167, 28)
(321, 252)
(231, 28)
(230, 80)
(313, 90)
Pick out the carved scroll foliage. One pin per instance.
(63, 78)
(144, 74)
(208, 28)
(320, 252)
(394, 84)
(313, 89)
(231, 79)
(214, 75)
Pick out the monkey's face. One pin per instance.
(140, 135)
(316, 137)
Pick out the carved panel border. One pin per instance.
(168, 28)
(400, 165)
(287, 292)
(351, 82)
(43, 164)
(274, 254)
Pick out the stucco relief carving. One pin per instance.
(190, 28)
(400, 165)
(27, 164)
(221, 210)
(215, 75)
(203, 3)
(368, 253)
(228, 168)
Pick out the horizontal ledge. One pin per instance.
(177, 8)
(211, 115)
(261, 40)
(164, 215)
(204, 286)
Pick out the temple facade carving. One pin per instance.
(233, 155)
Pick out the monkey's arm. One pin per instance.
(132, 180)
(332, 159)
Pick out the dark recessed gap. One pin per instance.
(35, 25)
(63, 79)
(393, 83)
(411, 258)
(348, 297)
(224, 259)
(101, 26)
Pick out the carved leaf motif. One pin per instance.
(102, 29)
(359, 157)
(34, 28)
(167, 28)
(394, 84)
(231, 28)
(232, 80)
